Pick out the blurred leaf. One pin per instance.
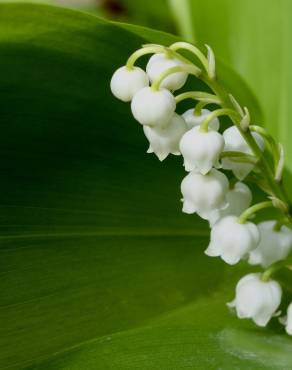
(99, 268)
(181, 10)
(254, 37)
(154, 14)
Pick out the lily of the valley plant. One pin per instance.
(246, 152)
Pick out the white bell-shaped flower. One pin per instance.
(164, 141)
(204, 193)
(153, 108)
(274, 245)
(256, 299)
(193, 120)
(158, 64)
(239, 198)
(235, 142)
(126, 82)
(201, 150)
(232, 240)
(287, 321)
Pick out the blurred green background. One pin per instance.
(156, 14)
(251, 36)
(99, 267)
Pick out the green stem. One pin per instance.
(216, 113)
(266, 275)
(280, 164)
(201, 96)
(194, 50)
(199, 106)
(151, 49)
(275, 187)
(253, 209)
(232, 183)
(268, 138)
(240, 157)
(278, 225)
(169, 53)
(236, 105)
(191, 69)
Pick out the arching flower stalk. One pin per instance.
(215, 160)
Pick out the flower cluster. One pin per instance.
(218, 163)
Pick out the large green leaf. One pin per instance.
(99, 268)
(254, 37)
(154, 14)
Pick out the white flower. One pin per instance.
(159, 63)
(193, 120)
(274, 245)
(287, 321)
(166, 140)
(201, 150)
(235, 142)
(153, 108)
(239, 198)
(232, 240)
(256, 299)
(204, 193)
(126, 82)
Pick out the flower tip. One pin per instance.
(289, 330)
(262, 320)
(188, 167)
(231, 304)
(187, 211)
(230, 260)
(187, 208)
(277, 314)
(205, 170)
(210, 252)
(283, 320)
(161, 156)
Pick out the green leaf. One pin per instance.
(181, 13)
(99, 267)
(252, 36)
(154, 14)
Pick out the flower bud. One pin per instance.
(201, 150)
(193, 120)
(239, 198)
(274, 245)
(256, 299)
(232, 240)
(158, 64)
(204, 193)
(153, 108)
(166, 140)
(235, 142)
(126, 82)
